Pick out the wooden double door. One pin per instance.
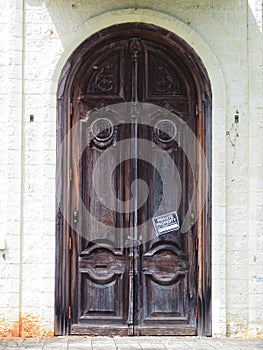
(133, 111)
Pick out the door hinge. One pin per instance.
(196, 110)
(196, 313)
(70, 108)
(69, 312)
(70, 174)
(70, 243)
(196, 243)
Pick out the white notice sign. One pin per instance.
(166, 223)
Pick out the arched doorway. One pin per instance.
(115, 274)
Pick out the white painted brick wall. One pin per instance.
(11, 90)
(232, 53)
(255, 252)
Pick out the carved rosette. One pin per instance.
(163, 79)
(104, 78)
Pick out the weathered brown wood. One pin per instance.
(78, 329)
(180, 330)
(149, 289)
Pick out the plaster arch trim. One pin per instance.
(218, 86)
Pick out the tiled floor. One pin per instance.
(131, 343)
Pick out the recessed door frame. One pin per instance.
(203, 90)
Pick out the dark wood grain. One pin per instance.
(154, 288)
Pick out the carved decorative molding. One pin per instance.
(162, 78)
(85, 106)
(135, 48)
(105, 78)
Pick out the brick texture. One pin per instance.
(38, 37)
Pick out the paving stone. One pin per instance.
(11, 344)
(130, 343)
(151, 343)
(33, 344)
(100, 343)
(174, 345)
(60, 343)
(79, 343)
(124, 343)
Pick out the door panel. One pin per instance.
(102, 261)
(102, 277)
(126, 279)
(166, 299)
